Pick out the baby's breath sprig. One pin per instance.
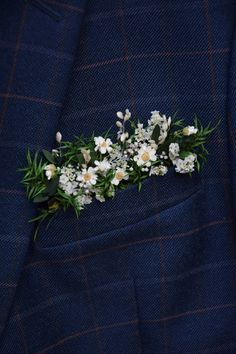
(76, 172)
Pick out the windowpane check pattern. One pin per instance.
(149, 272)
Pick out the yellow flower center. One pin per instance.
(145, 156)
(185, 131)
(103, 144)
(87, 176)
(119, 175)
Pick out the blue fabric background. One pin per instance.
(149, 272)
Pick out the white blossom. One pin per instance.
(142, 134)
(50, 171)
(145, 155)
(117, 158)
(189, 130)
(158, 170)
(120, 174)
(87, 177)
(173, 151)
(99, 196)
(103, 165)
(124, 136)
(163, 122)
(70, 187)
(67, 180)
(185, 165)
(83, 199)
(103, 145)
(63, 179)
(69, 172)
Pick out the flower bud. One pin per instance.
(120, 115)
(50, 171)
(119, 124)
(86, 155)
(58, 137)
(189, 130)
(124, 136)
(127, 115)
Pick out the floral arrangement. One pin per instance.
(77, 172)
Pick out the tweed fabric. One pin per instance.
(147, 272)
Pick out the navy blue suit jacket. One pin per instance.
(147, 272)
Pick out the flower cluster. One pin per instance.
(76, 172)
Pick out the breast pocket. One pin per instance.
(129, 208)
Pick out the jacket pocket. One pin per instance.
(128, 207)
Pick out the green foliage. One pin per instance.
(51, 198)
(34, 179)
(49, 156)
(156, 133)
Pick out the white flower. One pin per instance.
(186, 165)
(120, 174)
(141, 133)
(70, 187)
(158, 170)
(68, 172)
(50, 171)
(146, 154)
(163, 122)
(103, 145)
(103, 165)
(157, 118)
(173, 151)
(117, 158)
(67, 180)
(83, 199)
(189, 130)
(58, 137)
(87, 177)
(63, 179)
(124, 136)
(99, 197)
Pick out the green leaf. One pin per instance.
(139, 186)
(184, 154)
(48, 156)
(52, 186)
(40, 198)
(80, 158)
(156, 133)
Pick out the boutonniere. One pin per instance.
(87, 168)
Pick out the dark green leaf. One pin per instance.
(80, 158)
(139, 186)
(40, 198)
(156, 133)
(52, 186)
(184, 154)
(48, 156)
